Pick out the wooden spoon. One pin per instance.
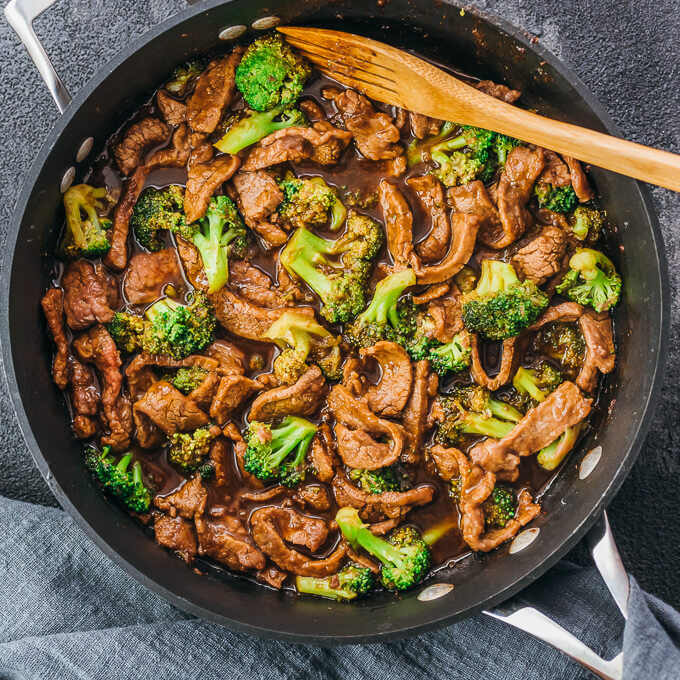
(389, 75)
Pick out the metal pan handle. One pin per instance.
(530, 620)
(20, 15)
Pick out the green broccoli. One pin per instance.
(349, 582)
(127, 331)
(466, 157)
(381, 320)
(472, 410)
(549, 457)
(591, 280)
(125, 484)
(500, 507)
(157, 209)
(278, 453)
(311, 203)
(503, 145)
(188, 450)
(405, 557)
(452, 357)
(300, 338)
(178, 330)
(532, 385)
(586, 222)
(501, 306)
(187, 378)
(217, 235)
(416, 149)
(564, 343)
(206, 470)
(183, 76)
(86, 232)
(337, 271)
(245, 128)
(377, 481)
(271, 73)
(558, 199)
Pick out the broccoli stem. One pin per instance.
(158, 309)
(476, 423)
(251, 129)
(504, 411)
(495, 277)
(552, 455)
(383, 306)
(524, 381)
(322, 588)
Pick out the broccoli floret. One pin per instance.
(118, 479)
(405, 557)
(377, 481)
(466, 157)
(311, 203)
(503, 146)
(187, 378)
(301, 338)
(206, 470)
(178, 330)
(586, 223)
(127, 331)
(591, 280)
(533, 385)
(549, 457)
(245, 128)
(564, 343)
(157, 209)
(501, 306)
(416, 149)
(452, 357)
(500, 507)
(382, 319)
(217, 235)
(188, 449)
(278, 453)
(86, 233)
(472, 410)
(466, 279)
(271, 73)
(349, 582)
(558, 199)
(337, 271)
(183, 76)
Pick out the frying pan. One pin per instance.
(472, 41)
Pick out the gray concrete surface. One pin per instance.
(627, 52)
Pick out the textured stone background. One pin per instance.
(627, 53)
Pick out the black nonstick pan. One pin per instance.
(471, 41)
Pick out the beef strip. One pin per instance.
(579, 181)
(96, 347)
(389, 396)
(505, 372)
(272, 576)
(322, 454)
(230, 358)
(85, 399)
(555, 171)
(203, 180)
(499, 91)
(304, 398)
(541, 426)
(139, 138)
(259, 196)
(53, 308)
(213, 93)
(321, 143)
(177, 534)
(398, 221)
(424, 126)
(185, 502)
(414, 417)
(522, 168)
(446, 313)
(436, 290)
(374, 133)
(86, 297)
(230, 431)
(218, 458)
(600, 356)
(254, 285)
(358, 449)
(435, 245)
(447, 460)
(149, 273)
(264, 524)
(542, 257)
(173, 110)
(473, 198)
(565, 312)
(298, 529)
(168, 409)
(313, 496)
(232, 392)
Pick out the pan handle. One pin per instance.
(530, 620)
(20, 15)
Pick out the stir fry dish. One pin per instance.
(322, 342)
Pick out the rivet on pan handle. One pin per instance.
(20, 15)
(530, 620)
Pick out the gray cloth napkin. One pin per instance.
(68, 612)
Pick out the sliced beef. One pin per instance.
(85, 399)
(185, 502)
(502, 92)
(254, 285)
(436, 290)
(424, 126)
(565, 312)
(414, 417)
(473, 198)
(584, 192)
(231, 359)
(447, 460)
(230, 431)
(149, 273)
(322, 454)
(358, 449)
(374, 133)
(96, 347)
(213, 93)
(219, 460)
(522, 168)
(304, 398)
(232, 392)
(139, 138)
(389, 396)
(202, 182)
(398, 221)
(53, 308)
(555, 171)
(86, 296)
(436, 244)
(266, 531)
(542, 257)
(272, 576)
(314, 497)
(177, 534)
(173, 110)
(259, 196)
(600, 356)
(174, 156)
(321, 143)
(168, 409)
(446, 313)
(298, 529)
(506, 370)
